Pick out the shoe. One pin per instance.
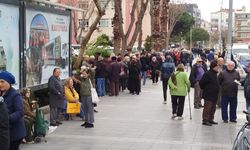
(165, 102)
(206, 124)
(174, 116)
(95, 110)
(89, 125)
(213, 122)
(59, 122)
(225, 121)
(233, 121)
(54, 124)
(84, 124)
(180, 118)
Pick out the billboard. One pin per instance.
(47, 45)
(9, 40)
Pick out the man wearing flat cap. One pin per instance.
(14, 103)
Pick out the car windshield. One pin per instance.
(245, 58)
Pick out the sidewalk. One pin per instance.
(132, 122)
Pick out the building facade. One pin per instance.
(242, 27)
(194, 11)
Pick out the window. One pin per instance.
(84, 23)
(104, 23)
(83, 5)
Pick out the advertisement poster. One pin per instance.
(47, 42)
(9, 40)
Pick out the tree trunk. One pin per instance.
(164, 23)
(116, 27)
(140, 40)
(155, 18)
(138, 24)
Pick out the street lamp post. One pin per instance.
(230, 29)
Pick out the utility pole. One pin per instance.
(191, 42)
(230, 29)
(220, 26)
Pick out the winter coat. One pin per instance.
(167, 69)
(27, 108)
(114, 71)
(14, 102)
(246, 84)
(85, 86)
(71, 95)
(193, 74)
(144, 63)
(210, 85)
(4, 127)
(56, 92)
(101, 71)
(226, 80)
(182, 86)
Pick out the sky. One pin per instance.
(208, 6)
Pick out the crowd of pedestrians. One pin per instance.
(212, 80)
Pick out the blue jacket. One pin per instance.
(167, 69)
(15, 107)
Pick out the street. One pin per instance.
(132, 122)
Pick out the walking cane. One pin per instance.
(189, 106)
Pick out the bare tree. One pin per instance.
(138, 23)
(86, 15)
(164, 23)
(116, 27)
(155, 24)
(175, 11)
(124, 36)
(92, 28)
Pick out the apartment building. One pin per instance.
(194, 11)
(242, 27)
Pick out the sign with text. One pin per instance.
(47, 42)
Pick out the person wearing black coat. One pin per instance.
(210, 85)
(4, 125)
(134, 77)
(56, 97)
(14, 102)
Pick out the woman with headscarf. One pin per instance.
(14, 102)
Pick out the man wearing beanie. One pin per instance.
(14, 103)
(210, 85)
(56, 97)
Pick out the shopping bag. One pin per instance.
(95, 98)
(73, 108)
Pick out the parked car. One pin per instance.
(243, 59)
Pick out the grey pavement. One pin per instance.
(142, 122)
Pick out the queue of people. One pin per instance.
(113, 75)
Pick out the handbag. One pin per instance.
(73, 108)
(94, 96)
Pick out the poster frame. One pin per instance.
(17, 4)
(44, 9)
